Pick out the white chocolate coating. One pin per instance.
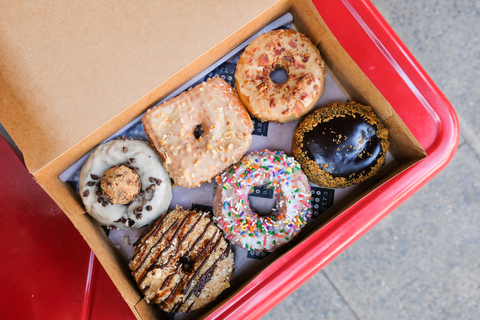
(234, 214)
(295, 53)
(227, 132)
(154, 201)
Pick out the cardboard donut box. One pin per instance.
(74, 73)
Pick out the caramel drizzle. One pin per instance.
(148, 255)
(148, 233)
(175, 235)
(158, 295)
(205, 278)
(182, 286)
(181, 241)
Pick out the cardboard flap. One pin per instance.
(68, 67)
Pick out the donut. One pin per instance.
(190, 158)
(284, 49)
(242, 225)
(341, 144)
(123, 184)
(183, 262)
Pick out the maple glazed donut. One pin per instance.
(123, 184)
(284, 49)
(227, 132)
(242, 225)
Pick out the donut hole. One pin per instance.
(262, 201)
(198, 131)
(279, 75)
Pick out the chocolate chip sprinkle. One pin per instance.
(99, 200)
(149, 208)
(90, 183)
(105, 203)
(86, 193)
(148, 190)
(127, 164)
(130, 222)
(139, 216)
(159, 182)
(121, 220)
(151, 179)
(94, 176)
(98, 193)
(125, 149)
(132, 160)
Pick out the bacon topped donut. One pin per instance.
(192, 158)
(284, 49)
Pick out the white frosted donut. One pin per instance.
(155, 193)
(242, 225)
(284, 49)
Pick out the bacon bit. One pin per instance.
(297, 110)
(277, 52)
(263, 60)
(306, 57)
(303, 96)
(292, 44)
(285, 111)
(273, 103)
(262, 87)
(299, 65)
(299, 79)
(288, 58)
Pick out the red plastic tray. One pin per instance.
(48, 271)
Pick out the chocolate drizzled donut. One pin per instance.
(183, 262)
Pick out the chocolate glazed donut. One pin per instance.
(341, 145)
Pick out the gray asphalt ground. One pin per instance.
(423, 260)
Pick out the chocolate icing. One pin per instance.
(343, 145)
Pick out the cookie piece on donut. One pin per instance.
(284, 49)
(249, 229)
(341, 144)
(214, 107)
(123, 184)
(183, 262)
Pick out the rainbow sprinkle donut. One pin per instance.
(234, 214)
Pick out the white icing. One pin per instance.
(149, 165)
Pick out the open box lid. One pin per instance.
(68, 68)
